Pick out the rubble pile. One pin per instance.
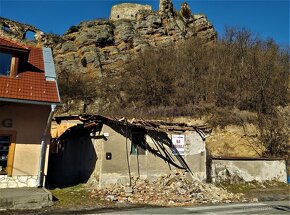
(168, 190)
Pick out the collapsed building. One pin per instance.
(104, 150)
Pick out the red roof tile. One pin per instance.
(10, 43)
(30, 84)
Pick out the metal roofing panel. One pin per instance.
(49, 68)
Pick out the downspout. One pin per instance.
(43, 148)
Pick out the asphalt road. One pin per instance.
(277, 207)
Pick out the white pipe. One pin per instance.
(43, 147)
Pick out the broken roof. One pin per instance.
(151, 125)
(92, 123)
(31, 84)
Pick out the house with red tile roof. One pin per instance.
(28, 97)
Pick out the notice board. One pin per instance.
(178, 142)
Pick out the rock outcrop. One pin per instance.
(109, 44)
(101, 45)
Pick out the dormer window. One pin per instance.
(8, 64)
(5, 64)
(11, 54)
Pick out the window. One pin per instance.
(138, 146)
(5, 28)
(5, 64)
(29, 35)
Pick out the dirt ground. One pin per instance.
(72, 200)
(80, 198)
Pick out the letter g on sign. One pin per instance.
(7, 123)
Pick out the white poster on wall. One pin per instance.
(178, 142)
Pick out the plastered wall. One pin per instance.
(68, 165)
(28, 121)
(237, 171)
(115, 170)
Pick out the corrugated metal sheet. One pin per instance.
(49, 68)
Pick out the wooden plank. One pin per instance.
(14, 66)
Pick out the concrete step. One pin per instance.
(25, 198)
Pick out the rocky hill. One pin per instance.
(100, 45)
(108, 44)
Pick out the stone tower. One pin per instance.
(166, 8)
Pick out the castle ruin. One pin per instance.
(10, 28)
(130, 10)
(166, 8)
(127, 11)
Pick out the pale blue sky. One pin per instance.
(267, 18)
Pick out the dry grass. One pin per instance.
(77, 197)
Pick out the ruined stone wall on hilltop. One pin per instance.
(127, 11)
(166, 8)
(109, 44)
(16, 30)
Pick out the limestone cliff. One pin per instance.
(101, 45)
(108, 44)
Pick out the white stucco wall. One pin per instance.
(28, 125)
(236, 171)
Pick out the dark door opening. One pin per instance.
(5, 142)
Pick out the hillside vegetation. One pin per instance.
(236, 80)
(240, 72)
(170, 64)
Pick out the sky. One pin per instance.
(266, 18)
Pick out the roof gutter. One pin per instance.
(44, 143)
(26, 50)
(23, 101)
